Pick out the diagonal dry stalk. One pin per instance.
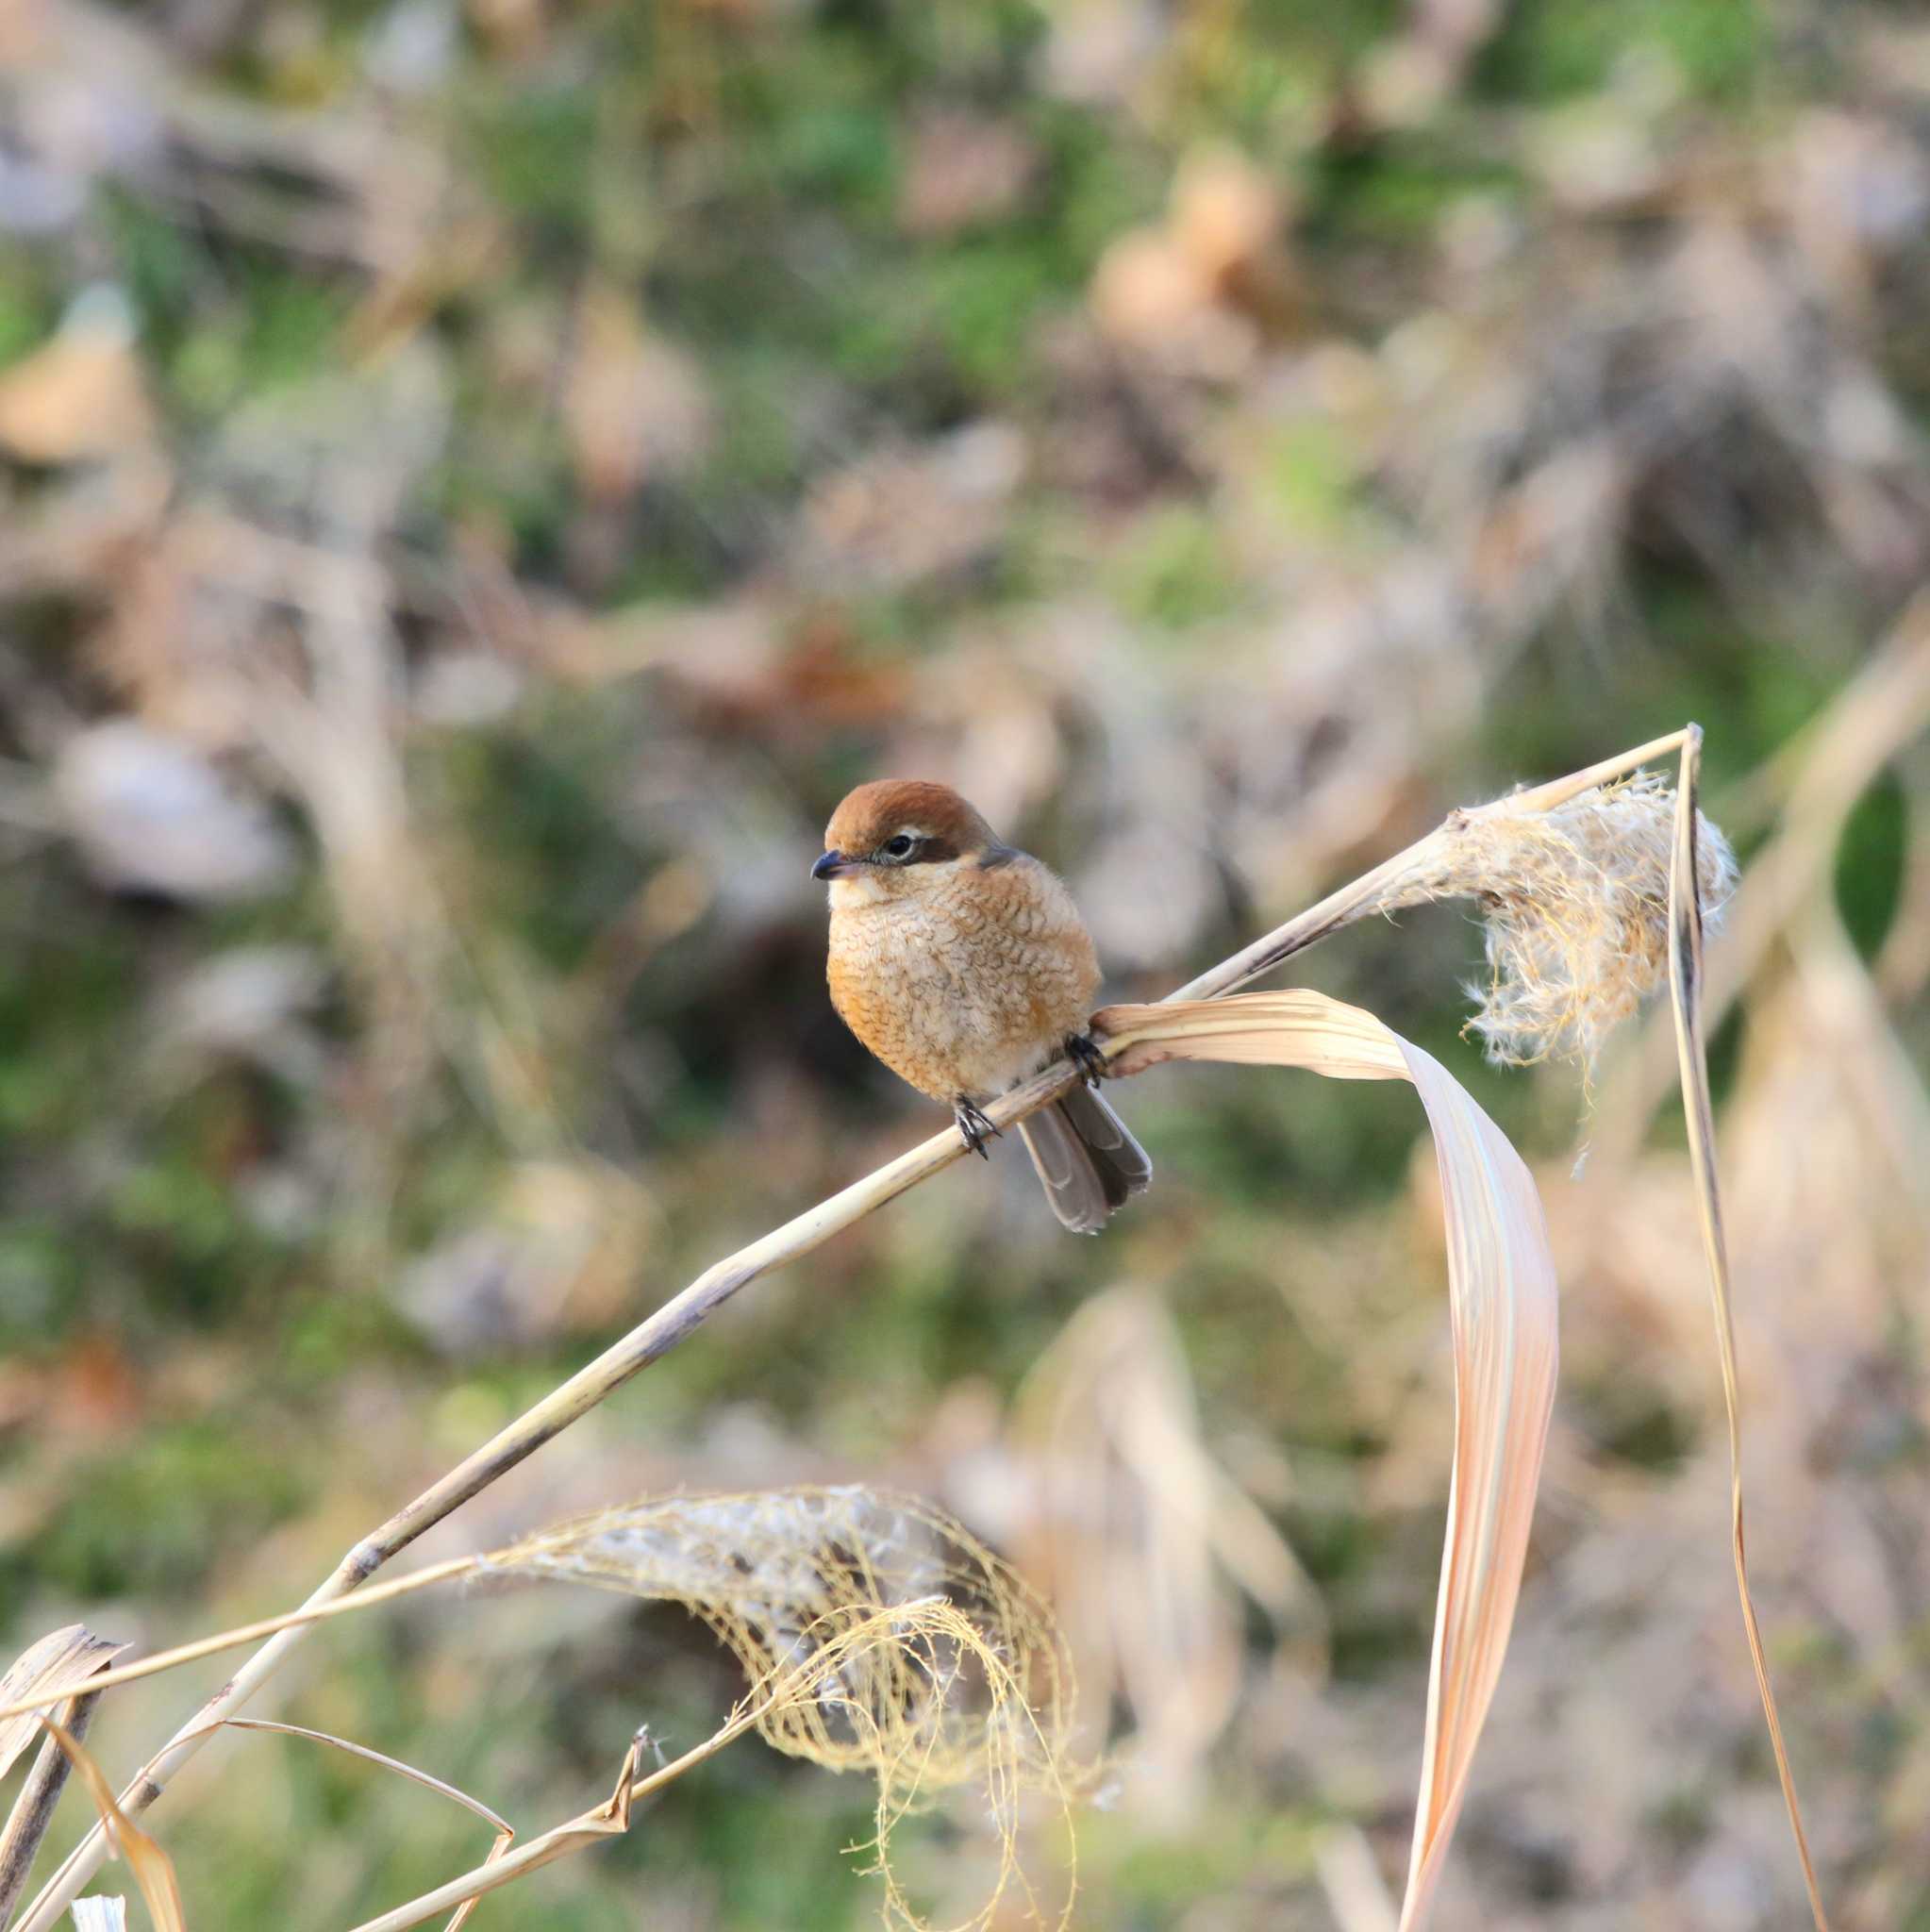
(1407, 877)
(1685, 986)
(611, 1819)
(310, 1612)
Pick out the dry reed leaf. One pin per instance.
(879, 1636)
(154, 1871)
(1684, 981)
(50, 1670)
(101, 1913)
(1502, 1303)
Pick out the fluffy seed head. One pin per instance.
(1575, 906)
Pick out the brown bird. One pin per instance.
(963, 964)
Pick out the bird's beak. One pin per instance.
(834, 865)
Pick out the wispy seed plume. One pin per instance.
(878, 1636)
(1574, 901)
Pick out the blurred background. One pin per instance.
(479, 480)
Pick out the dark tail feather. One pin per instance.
(1086, 1158)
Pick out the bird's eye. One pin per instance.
(899, 847)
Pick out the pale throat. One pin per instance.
(856, 889)
(901, 885)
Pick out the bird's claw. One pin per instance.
(1084, 1052)
(974, 1126)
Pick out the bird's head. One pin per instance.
(899, 837)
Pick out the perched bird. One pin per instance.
(963, 964)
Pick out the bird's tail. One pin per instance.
(1087, 1157)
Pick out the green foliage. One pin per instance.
(1176, 572)
(536, 146)
(1870, 863)
(1553, 48)
(154, 1521)
(25, 314)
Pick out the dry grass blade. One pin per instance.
(100, 1914)
(426, 1779)
(505, 1832)
(154, 1871)
(45, 1674)
(1502, 1301)
(1685, 982)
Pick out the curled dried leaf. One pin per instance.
(1501, 1304)
(53, 1669)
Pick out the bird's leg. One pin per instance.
(974, 1125)
(1083, 1051)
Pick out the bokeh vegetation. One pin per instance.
(477, 481)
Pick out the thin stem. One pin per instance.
(1558, 791)
(247, 1633)
(680, 1317)
(1684, 977)
(1370, 893)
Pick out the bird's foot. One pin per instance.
(974, 1125)
(1084, 1052)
